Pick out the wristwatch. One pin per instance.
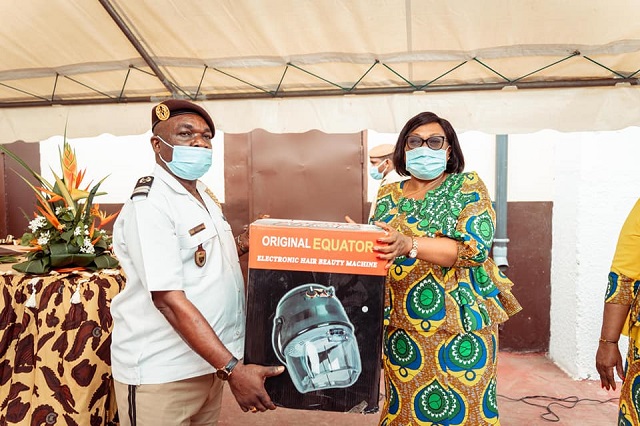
(413, 253)
(224, 372)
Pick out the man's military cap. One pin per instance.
(381, 150)
(172, 107)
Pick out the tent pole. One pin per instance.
(134, 41)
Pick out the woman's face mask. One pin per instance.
(188, 162)
(426, 163)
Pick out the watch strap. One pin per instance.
(231, 364)
(413, 253)
(225, 372)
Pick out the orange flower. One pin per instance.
(53, 220)
(102, 215)
(54, 196)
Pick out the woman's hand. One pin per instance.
(607, 358)
(393, 244)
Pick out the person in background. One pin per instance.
(179, 323)
(445, 295)
(622, 315)
(382, 168)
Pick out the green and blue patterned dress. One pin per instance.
(441, 337)
(624, 283)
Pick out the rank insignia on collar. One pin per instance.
(200, 256)
(143, 186)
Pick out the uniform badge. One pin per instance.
(162, 112)
(200, 256)
(143, 186)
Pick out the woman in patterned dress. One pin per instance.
(622, 308)
(445, 296)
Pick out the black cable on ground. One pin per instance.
(566, 402)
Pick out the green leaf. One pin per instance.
(67, 216)
(67, 235)
(37, 266)
(69, 255)
(64, 192)
(105, 261)
(63, 249)
(101, 244)
(26, 238)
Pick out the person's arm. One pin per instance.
(441, 251)
(608, 356)
(464, 248)
(625, 271)
(246, 381)
(476, 224)
(242, 242)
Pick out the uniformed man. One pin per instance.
(382, 168)
(381, 160)
(178, 332)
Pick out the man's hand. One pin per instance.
(243, 239)
(247, 386)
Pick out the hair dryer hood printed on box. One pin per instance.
(314, 338)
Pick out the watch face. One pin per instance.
(222, 374)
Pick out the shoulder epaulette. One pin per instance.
(143, 186)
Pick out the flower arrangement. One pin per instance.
(66, 231)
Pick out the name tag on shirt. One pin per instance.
(193, 231)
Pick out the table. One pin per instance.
(55, 356)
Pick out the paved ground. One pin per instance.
(554, 398)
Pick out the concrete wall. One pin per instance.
(597, 183)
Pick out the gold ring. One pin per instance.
(253, 409)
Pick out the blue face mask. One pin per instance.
(374, 171)
(425, 163)
(188, 162)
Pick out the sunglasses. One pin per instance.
(433, 142)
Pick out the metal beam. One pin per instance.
(311, 93)
(136, 44)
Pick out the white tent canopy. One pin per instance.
(499, 66)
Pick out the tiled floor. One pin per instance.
(558, 400)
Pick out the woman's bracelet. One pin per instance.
(613, 342)
(241, 245)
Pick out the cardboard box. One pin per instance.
(315, 304)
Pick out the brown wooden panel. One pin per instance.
(529, 255)
(19, 201)
(3, 196)
(313, 175)
(236, 180)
